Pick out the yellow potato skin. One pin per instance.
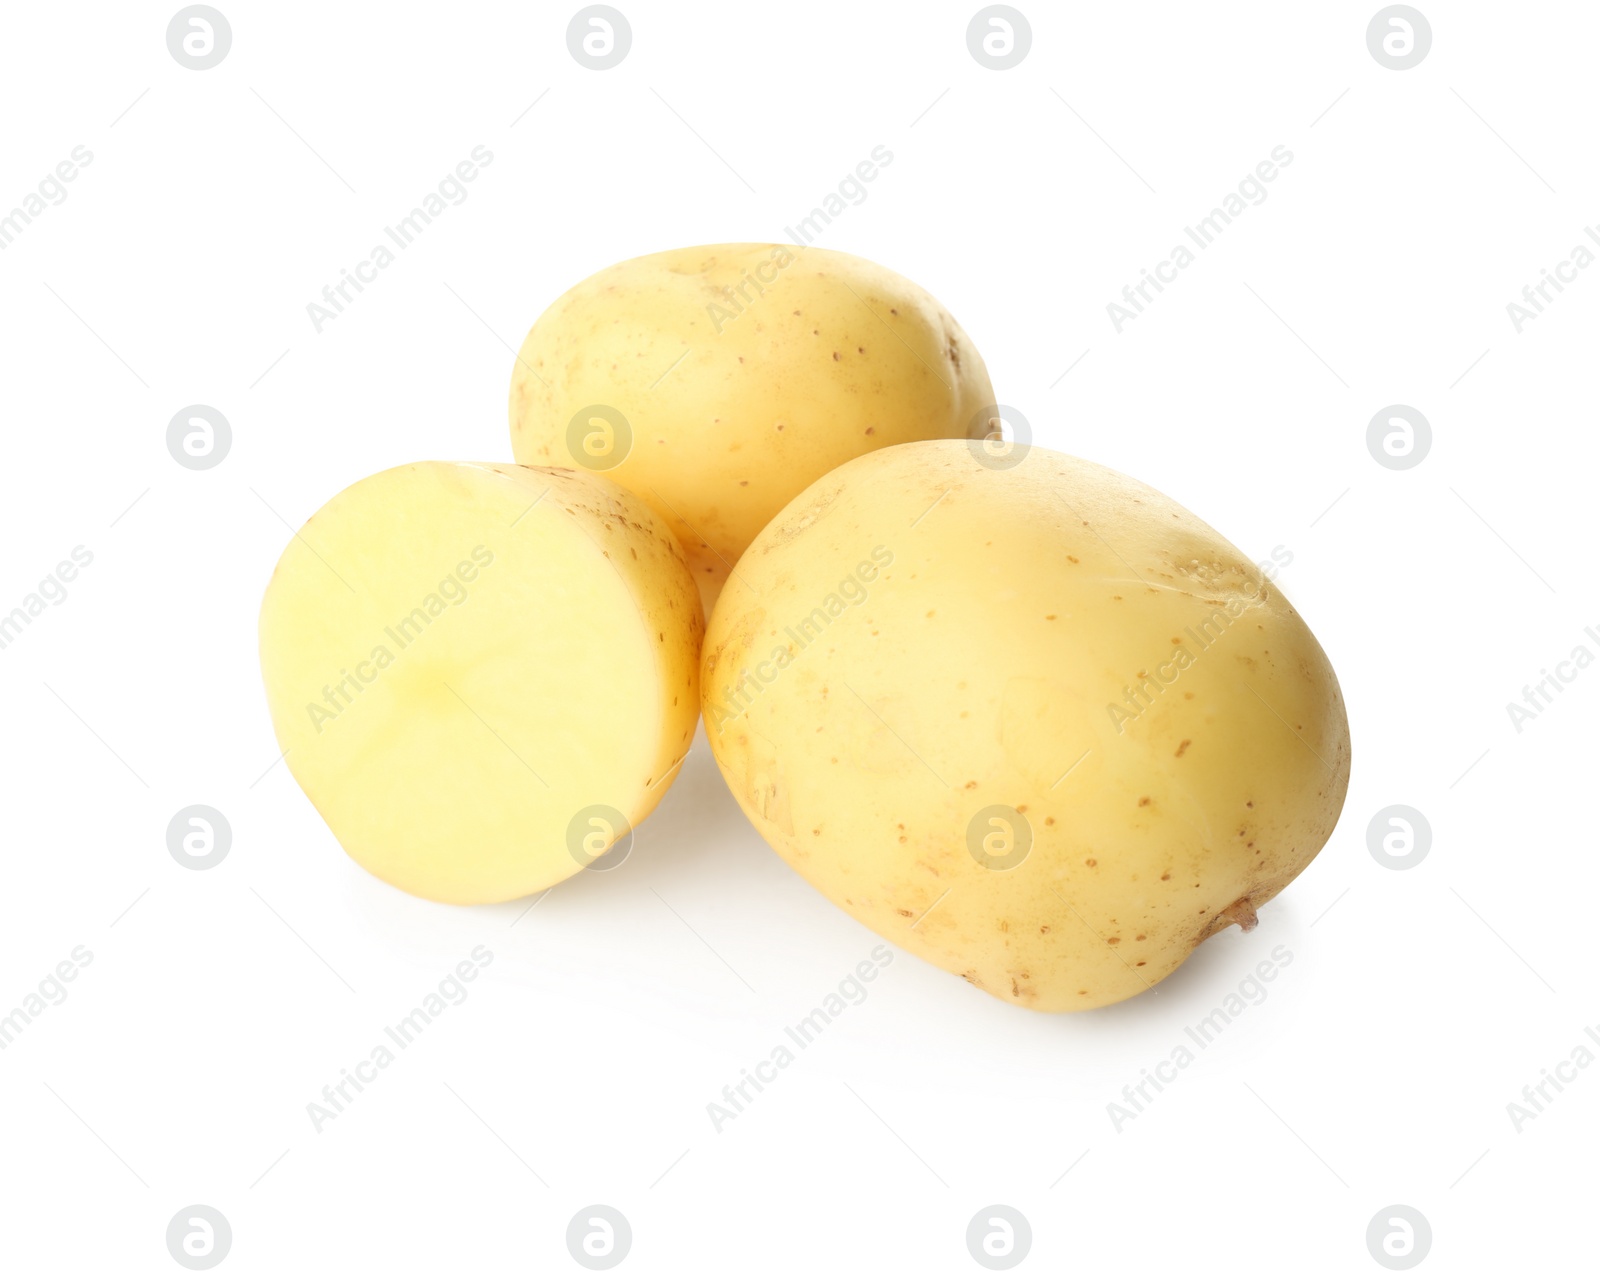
(744, 373)
(980, 631)
(462, 659)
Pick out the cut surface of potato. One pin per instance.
(481, 675)
(1028, 718)
(718, 381)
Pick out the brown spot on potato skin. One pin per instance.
(1183, 748)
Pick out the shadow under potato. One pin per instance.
(699, 833)
(696, 831)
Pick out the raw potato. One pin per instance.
(481, 675)
(1039, 725)
(719, 382)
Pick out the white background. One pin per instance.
(218, 1004)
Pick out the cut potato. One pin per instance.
(717, 382)
(481, 675)
(1029, 719)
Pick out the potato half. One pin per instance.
(481, 675)
(718, 382)
(1029, 719)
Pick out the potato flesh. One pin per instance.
(736, 403)
(449, 721)
(978, 669)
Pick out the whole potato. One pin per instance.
(1031, 720)
(718, 382)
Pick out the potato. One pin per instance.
(1031, 720)
(718, 382)
(481, 675)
